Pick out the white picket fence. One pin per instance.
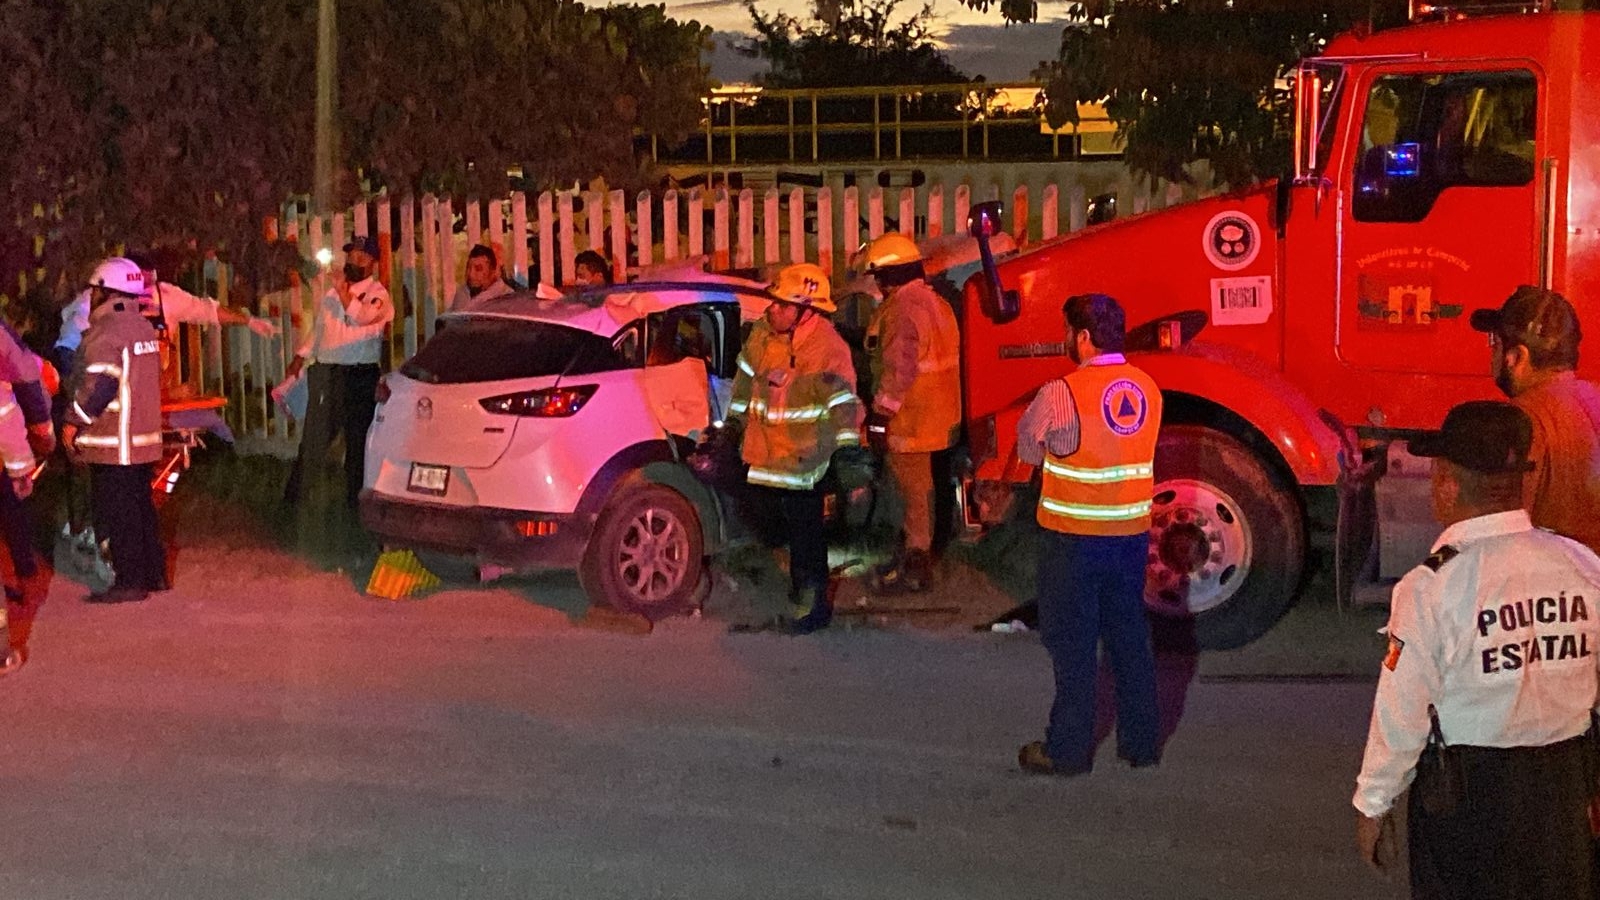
(743, 229)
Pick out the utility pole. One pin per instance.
(327, 130)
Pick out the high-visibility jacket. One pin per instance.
(1105, 486)
(916, 369)
(15, 451)
(797, 393)
(117, 396)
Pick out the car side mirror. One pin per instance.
(999, 305)
(1395, 183)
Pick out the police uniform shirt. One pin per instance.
(1498, 631)
(350, 334)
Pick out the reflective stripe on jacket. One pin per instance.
(117, 395)
(15, 451)
(797, 394)
(916, 369)
(1105, 487)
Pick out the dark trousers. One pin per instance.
(125, 516)
(1092, 588)
(1519, 831)
(795, 519)
(339, 399)
(17, 526)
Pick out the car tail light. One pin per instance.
(537, 527)
(382, 393)
(546, 403)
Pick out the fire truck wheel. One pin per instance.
(647, 553)
(1227, 541)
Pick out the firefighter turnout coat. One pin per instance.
(916, 369)
(117, 398)
(797, 393)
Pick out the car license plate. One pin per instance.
(432, 480)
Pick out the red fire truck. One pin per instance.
(1300, 328)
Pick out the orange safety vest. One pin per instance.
(1104, 488)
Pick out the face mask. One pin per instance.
(354, 273)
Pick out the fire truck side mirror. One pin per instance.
(998, 304)
(1395, 183)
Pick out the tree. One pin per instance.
(846, 43)
(1189, 80)
(185, 123)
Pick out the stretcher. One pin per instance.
(184, 424)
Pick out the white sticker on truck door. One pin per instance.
(1241, 301)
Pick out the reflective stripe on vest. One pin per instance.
(1105, 486)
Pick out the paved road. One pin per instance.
(265, 731)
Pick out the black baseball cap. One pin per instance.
(1488, 436)
(1534, 317)
(366, 243)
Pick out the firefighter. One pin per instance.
(797, 389)
(344, 348)
(916, 400)
(25, 409)
(16, 453)
(114, 426)
(1483, 702)
(1094, 433)
(1534, 338)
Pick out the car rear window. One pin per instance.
(474, 349)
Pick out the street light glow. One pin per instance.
(325, 256)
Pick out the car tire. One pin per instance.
(647, 553)
(1227, 541)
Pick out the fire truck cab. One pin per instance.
(1299, 329)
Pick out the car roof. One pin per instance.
(606, 311)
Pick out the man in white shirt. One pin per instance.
(343, 349)
(483, 280)
(1493, 643)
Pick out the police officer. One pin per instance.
(114, 425)
(1094, 432)
(916, 399)
(344, 350)
(1492, 651)
(1534, 340)
(797, 389)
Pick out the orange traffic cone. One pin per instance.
(399, 574)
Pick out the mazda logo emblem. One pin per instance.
(424, 408)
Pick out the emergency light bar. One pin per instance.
(1422, 11)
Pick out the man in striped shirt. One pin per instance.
(344, 348)
(1094, 434)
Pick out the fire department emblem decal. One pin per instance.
(1231, 240)
(1124, 407)
(424, 408)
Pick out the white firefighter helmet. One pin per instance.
(118, 275)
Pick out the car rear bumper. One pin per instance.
(487, 534)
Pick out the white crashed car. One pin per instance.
(536, 433)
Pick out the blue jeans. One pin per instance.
(1092, 588)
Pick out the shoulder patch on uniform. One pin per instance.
(1392, 658)
(1444, 554)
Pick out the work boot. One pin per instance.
(1033, 758)
(911, 574)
